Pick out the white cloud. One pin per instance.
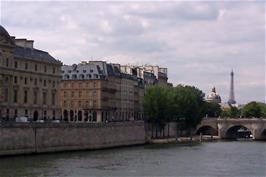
(198, 41)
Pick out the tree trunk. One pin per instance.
(151, 130)
(190, 132)
(168, 131)
(156, 132)
(163, 131)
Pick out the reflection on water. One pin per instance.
(207, 159)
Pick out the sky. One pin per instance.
(200, 42)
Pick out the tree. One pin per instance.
(188, 105)
(180, 103)
(263, 109)
(212, 109)
(232, 112)
(157, 106)
(252, 109)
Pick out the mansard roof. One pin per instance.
(35, 54)
(5, 37)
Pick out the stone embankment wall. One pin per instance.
(25, 138)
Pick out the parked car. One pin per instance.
(40, 121)
(56, 121)
(22, 119)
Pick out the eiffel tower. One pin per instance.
(231, 99)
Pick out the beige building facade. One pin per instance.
(29, 80)
(103, 94)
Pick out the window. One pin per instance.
(80, 93)
(53, 69)
(16, 64)
(53, 114)
(36, 67)
(54, 84)
(44, 115)
(7, 62)
(7, 113)
(16, 113)
(15, 96)
(25, 96)
(72, 94)
(15, 79)
(26, 81)
(26, 66)
(44, 83)
(6, 95)
(45, 68)
(26, 112)
(44, 97)
(65, 94)
(35, 82)
(53, 98)
(35, 99)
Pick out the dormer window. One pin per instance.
(88, 76)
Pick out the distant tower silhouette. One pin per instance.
(232, 92)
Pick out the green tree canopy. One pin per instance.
(212, 109)
(164, 104)
(232, 112)
(253, 109)
(263, 109)
(157, 105)
(188, 104)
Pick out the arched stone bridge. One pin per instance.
(226, 128)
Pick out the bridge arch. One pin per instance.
(207, 130)
(238, 131)
(263, 135)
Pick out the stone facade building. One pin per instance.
(152, 75)
(213, 97)
(29, 80)
(96, 91)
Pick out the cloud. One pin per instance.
(199, 42)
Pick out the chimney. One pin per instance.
(24, 43)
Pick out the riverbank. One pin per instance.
(204, 138)
(25, 138)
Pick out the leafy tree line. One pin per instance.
(250, 110)
(183, 104)
(186, 105)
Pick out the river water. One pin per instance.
(206, 159)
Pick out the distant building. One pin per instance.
(231, 99)
(152, 75)
(29, 80)
(96, 91)
(213, 97)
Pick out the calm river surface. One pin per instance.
(207, 159)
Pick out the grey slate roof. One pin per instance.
(35, 54)
(113, 70)
(5, 34)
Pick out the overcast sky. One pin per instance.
(199, 42)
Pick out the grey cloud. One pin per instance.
(198, 41)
